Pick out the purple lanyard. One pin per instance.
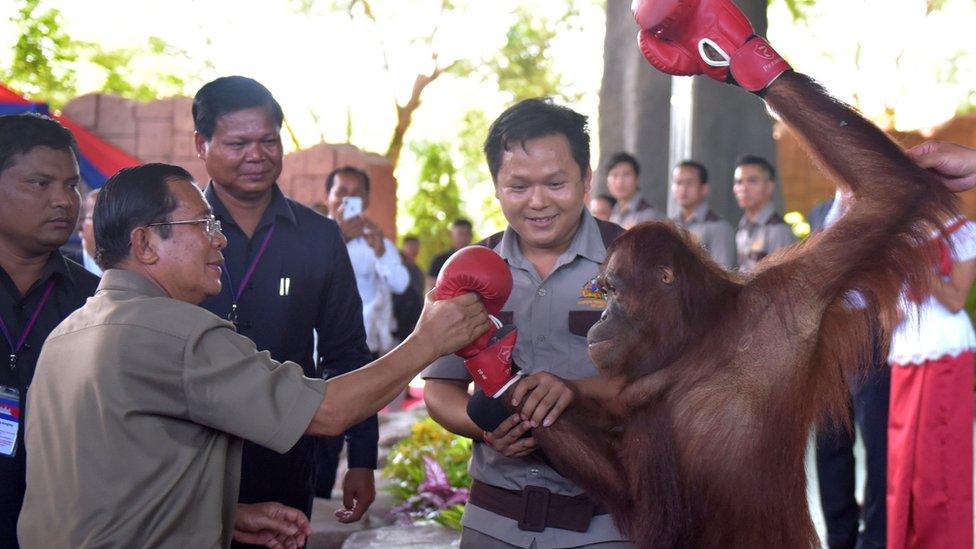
(15, 347)
(236, 295)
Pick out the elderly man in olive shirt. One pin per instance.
(138, 443)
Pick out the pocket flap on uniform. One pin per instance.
(580, 322)
(507, 317)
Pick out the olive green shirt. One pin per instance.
(137, 413)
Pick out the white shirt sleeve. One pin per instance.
(391, 268)
(964, 242)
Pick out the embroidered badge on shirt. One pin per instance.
(591, 295)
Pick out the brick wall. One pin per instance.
(162, 131)
(804, 185)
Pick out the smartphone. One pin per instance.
(351, 206)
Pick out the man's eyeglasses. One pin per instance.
(211, 225)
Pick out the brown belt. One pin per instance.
(536, 508)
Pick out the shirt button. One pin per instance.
(534, 472)
(541, 339)
(542, 292)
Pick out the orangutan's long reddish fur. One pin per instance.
(727, 375)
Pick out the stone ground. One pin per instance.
(375, 531)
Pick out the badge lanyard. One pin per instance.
(236, 294)
(15, 347)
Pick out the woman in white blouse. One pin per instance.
(930, 426)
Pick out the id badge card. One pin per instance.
(9, 420)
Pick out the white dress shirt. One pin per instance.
(376, 278)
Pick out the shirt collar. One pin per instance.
(129, 281)
(56, 264)
(277, 208)
(699, 214)
(587, 243)
(765, 213)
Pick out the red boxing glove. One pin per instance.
(712, 37)
(491, 369)
(480, 270)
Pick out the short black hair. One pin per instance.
(229, 94)
(532, 118)
(411, 238)
(702, 171)
(754, 160)
(621, 158)
(346, 170)
(461, 222)
(133, 197)
(19, 133)
(606, 198)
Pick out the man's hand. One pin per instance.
(358, 493)
(271, 524)
(545, 397)
(374, 237)
(954, 164)
(351, 228)
(506, 438)
(449, 324)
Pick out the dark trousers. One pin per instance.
(835, 468)
(287, 478)
(12, 486)
(327, 463)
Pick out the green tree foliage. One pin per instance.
(797, 7)
(43, 55)
(46, 60)
(122, 79)
(437, 201)
(523, 66)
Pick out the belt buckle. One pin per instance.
(535, 509)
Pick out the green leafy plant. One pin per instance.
(430, 473)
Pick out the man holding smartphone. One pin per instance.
(375, 259)
(379, 272)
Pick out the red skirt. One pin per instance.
(930, 455)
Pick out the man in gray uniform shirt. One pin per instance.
(538, 155)
(762, 230)
(689, 186)
(623, 182)
(141, 399)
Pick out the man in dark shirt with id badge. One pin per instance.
(286, 273)
(38, 287)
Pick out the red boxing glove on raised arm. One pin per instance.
(712, 37)
(479, 270)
